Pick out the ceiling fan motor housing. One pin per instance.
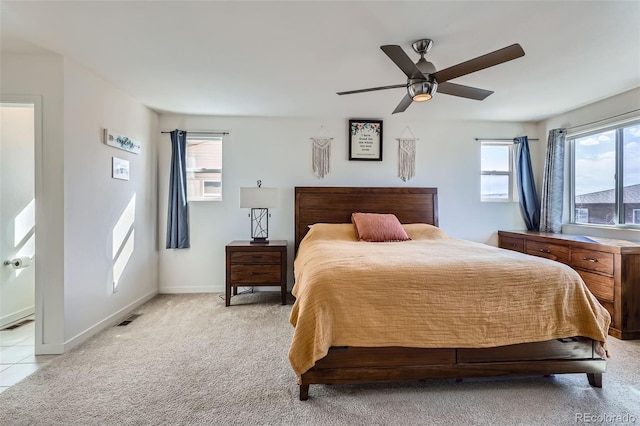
(422, 90)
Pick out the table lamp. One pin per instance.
(259, 199)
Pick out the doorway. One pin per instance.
(17, 212)
(17, 232)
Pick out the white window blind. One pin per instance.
(496, 165)
(204, 168)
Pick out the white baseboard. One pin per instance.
(107, 322)
(18, 315)
(191, 289)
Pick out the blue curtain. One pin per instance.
(529, 204)
(178, 212)
(553, 183)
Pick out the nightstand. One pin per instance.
(255, 265)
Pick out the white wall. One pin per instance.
(615, 107)
(278, 152)
(94, 203)
(41, 76)
(77, 202)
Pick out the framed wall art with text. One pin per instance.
(365, 140)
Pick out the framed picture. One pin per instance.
(120, 168)
(365, 140)
(119, 141)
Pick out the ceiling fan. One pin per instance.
(423, 80)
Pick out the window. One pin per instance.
(582, 215)
(606, 175)
(636, 216)
(204, 168)
(496, 165)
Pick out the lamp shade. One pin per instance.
(255, 197)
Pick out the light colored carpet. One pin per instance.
(188, 360)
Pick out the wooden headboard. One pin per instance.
(317, 204)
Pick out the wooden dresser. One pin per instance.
(610, 268)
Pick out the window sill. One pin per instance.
(205, 199)
(631, 233)
(496, 200)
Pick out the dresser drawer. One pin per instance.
(599, 285)
(549, 251)
(253, 257)
(516, 244)
(592, 260)
(255, 274)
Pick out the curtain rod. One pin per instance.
(604, 119)
(203, 133)
(503, 139)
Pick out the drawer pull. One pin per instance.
(590, 259)
(254, 273)
(513, 245)
(544, 251)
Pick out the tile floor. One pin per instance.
(17, 359)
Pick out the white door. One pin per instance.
(17, 212)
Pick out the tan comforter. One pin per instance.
(432, 291)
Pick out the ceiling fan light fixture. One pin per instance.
(422, 97)
(421, 91)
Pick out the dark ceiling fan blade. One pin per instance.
(404, 104)
(481, 62)
(400, 58)
(395, 86)
(454, 89)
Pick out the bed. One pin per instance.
(343, 332)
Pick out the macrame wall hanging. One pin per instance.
(407, 156)
(320, 156)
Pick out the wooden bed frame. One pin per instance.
(374, 364)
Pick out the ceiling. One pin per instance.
(290, 58)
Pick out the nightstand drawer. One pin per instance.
(254, 257)
(549, 251)
(509, 243)
(256, 274)
(592, 260)
(599, 285)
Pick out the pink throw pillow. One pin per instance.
(377, 227)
